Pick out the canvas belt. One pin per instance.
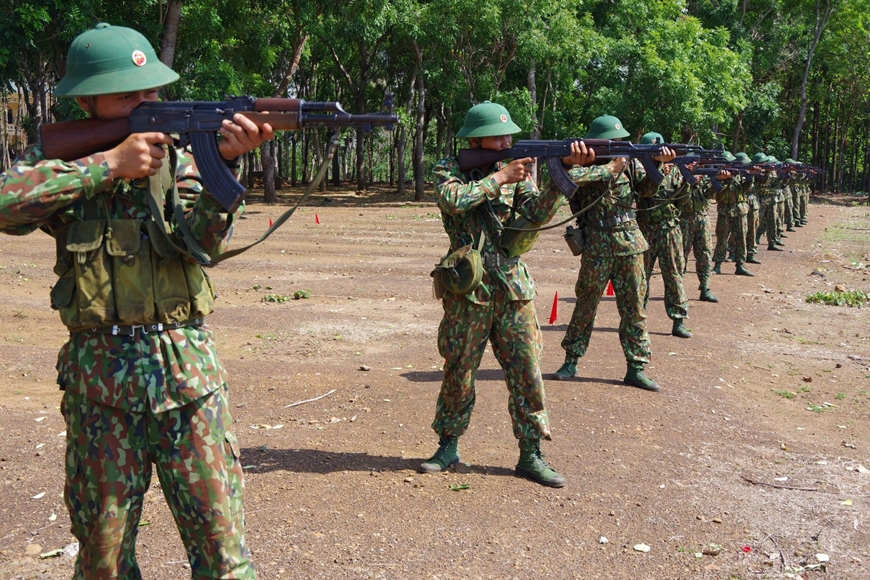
(496, 261)
(615, 221)
(131, 330)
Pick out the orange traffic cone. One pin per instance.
(554, 312)
(609, 291)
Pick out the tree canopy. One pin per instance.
(787, 77)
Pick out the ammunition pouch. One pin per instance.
(576, 239)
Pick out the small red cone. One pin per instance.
(270, 222)
(554, 312)
(609, 291)
(316, 219)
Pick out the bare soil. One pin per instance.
(748, 464)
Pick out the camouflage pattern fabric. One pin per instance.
(767, 213)
(612, 254)
(661, 228)
(752, 220)
(108, 464)
(165, 377)
(511, 327)
(500, 311)
(695, 227)
(732, 210)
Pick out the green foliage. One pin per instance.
(848, 298)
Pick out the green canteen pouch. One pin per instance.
(460, 272)
(521, 238)
(131, 271)
(93, 273)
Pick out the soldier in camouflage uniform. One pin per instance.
(695, 226)
(767, 186)
(141, 379)
(752, 213)
(659, 221)
(732, 209)
(474, 207)
(613, 252)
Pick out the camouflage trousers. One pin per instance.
(730, 232)
(788, 215)
(696, 236)
(629, 286)
(108, 470)
(751, 227)
(767, 222)
(666, 245)
(795, 204)
(804, 205)
(511, 327)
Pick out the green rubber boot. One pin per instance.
(637, 378)
(567, 370)
(533, 466)
(773, 248)
(751, 259)
(680, 330)
(707, 296)
(741, 270)
(779, 242)
(717, 269)
(446, 456)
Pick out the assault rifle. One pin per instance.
(197, 123)
(553, 151)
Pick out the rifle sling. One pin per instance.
(321, 173)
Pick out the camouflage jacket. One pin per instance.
(473, 205)
(656, 203)
(605, 197)
(157, 370)
(733, 191)
(697, 199)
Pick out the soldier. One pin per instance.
(695, 226)
(753, 211)
(499, 309)
(767, 186)
(732, 209)
(613, 252)
(659, 220)
(141, 379)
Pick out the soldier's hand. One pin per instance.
(580, 154)
(667, 154)
(723, 175)
(514, 172)
(242, 135)
(617, 165)
(139, 155)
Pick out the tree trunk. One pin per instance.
(170, 31)
(821, 23)
(536, 127)
(419, 135)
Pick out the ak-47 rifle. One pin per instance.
(553, 151)
(197, 123)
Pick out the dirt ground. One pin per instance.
(750, 462)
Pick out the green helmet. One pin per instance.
(728, 156)
(743, 157)
(652, 138)
(606, 127)
(112, 59)
(760, 158)
(487, 120)
(790, 160)
(772, 159)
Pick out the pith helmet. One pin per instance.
(651, 138)
(760, 158)
(743, 157)
(790, 160)
(112, 59)
(728, 156)
(606, 127)
(487, 120)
